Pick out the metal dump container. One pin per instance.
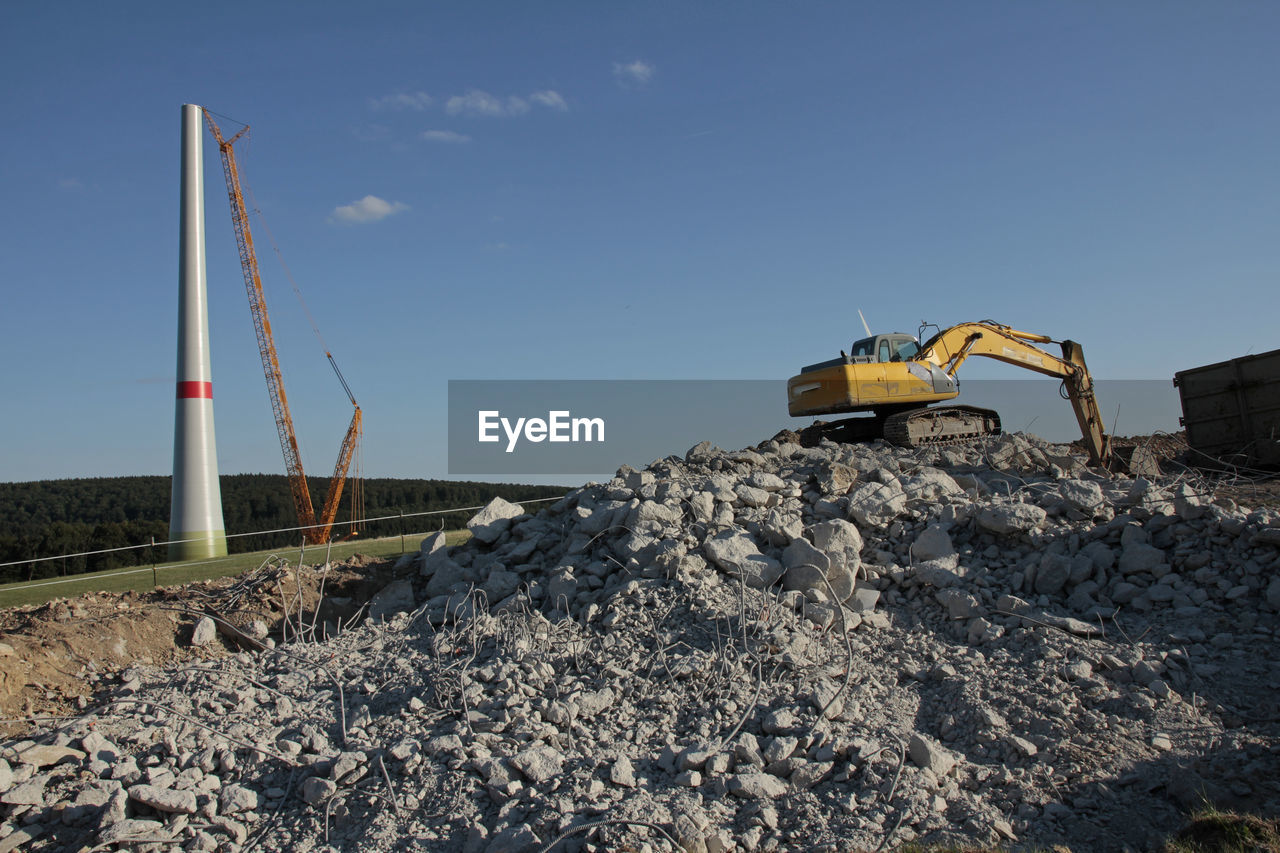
(1231, 410)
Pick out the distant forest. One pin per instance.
(52, 517)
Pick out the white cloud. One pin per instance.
(551, 99)
(635, 73)
(416, 101)
(368, 209)
(371, 132)
(445, 136)
(478, 103)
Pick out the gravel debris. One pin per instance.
(836, 647)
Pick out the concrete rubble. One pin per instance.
(779, 648)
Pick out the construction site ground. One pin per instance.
(1031, 727)
(108, 631)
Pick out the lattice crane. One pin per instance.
(315, 530)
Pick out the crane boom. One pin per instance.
(314, 531)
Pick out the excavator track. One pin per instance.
(935, 426)
(927, 426)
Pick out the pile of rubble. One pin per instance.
(780, 648)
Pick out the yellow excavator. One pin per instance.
(896, 378)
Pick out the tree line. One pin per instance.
(47, 518)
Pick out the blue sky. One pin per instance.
(614, 190)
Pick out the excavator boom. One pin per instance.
(314, 531)
(951, 347)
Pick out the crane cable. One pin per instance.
(262, 220)
(357, 496)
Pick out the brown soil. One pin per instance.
(1254, 490)
(60, 657)
(1253, 494)
(1170, 447)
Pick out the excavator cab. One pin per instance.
(878, 349)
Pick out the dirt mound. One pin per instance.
(1175, 456)
(59, 657)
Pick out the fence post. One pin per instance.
(302, 549)
(155, 578)
(402, 531)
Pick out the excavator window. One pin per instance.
(906, 350)
(864, 347)
(884, 351)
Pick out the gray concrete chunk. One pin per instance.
(538, 763)
(737, 555)
(316, 790)
(759, 786)
(205, 632)
(29, 793)
(1005, 519)
(933, 543)
(490, 523)
(1140, 557)
(395, 597)
(927, 753)
(237, 798)
(164, 800)
(1084, 495)
(876, 504)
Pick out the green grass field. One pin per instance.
(142, 578)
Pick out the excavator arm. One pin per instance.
(951, 347)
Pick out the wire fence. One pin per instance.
(155, 563)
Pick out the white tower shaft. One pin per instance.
(195, 514)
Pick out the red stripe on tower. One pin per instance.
(188, 390)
